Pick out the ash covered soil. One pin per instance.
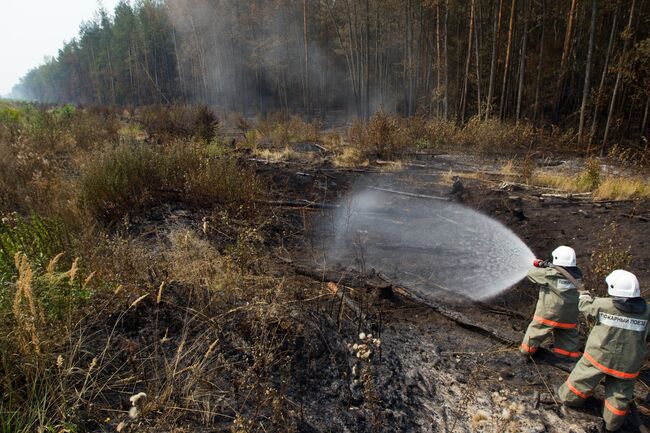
(430, 374)
(353, 352)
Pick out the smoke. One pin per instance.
(251, 57)
(438, 248)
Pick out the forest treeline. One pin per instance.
(580, 64)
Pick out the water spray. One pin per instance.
(436, 247)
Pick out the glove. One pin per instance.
(539, 263)
(584, 294)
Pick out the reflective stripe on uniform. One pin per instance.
(610, 371)
(622, 322)
(566, 353)
(575, 391)
(528, 348)
(615, 411)
(565, 284)
(553, 323)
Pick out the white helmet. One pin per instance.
(623, 284)
(564, 256)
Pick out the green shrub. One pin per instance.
(47, 130)
(40, 239)
(279, 130)
(494, 136)
(205, 123)
(385, 136)
(11, 122)
(127, 179)
(94, 126)
(164, 122)
(590, 178)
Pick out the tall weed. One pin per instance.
(42, 391)
(38, 238)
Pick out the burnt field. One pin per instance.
(446, 363)
(160, 271)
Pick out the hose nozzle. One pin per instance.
(539, 263)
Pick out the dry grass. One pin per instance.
(278, 130)
(623, 188)
(387, 136)
(509, 168)
(275, 155)
(559, 181)
(169, 122)
(208, 328)
(211, 343)
(610, 188)
(42, 369)
(350, 157)
(495, 137)
(129, 179)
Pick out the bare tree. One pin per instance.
(566, 50)
(506, 68)
(601, 87)
(446, 98)
(612, 104)
(522, 64)
(438, 59)
(307, 102)
(540, 60)
(498, 9)
(477, 48)
(585, 89)
(463, 97)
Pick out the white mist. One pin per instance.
(435, 247)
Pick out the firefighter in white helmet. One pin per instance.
(615, 348)
(557, 307)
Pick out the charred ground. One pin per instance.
(215, 302)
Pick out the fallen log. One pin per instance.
(408, 194)
(401, 164)
(639, 217)
(582, 202)
(350, 279)
(570, 196)
(354, 280)
(455, 316)
(339, 292)
(269, 161)
(505, 185)
(298, 203)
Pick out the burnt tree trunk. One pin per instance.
(566, 50)
(601, 87)
(463, 97)
(539, 62)
(498, 10)
(617, 83)
(522, 64)
(506, 68)
(585, 89)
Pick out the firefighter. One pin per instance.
(615, 348)
(557, 307)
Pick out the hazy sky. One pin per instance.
(33, 29)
